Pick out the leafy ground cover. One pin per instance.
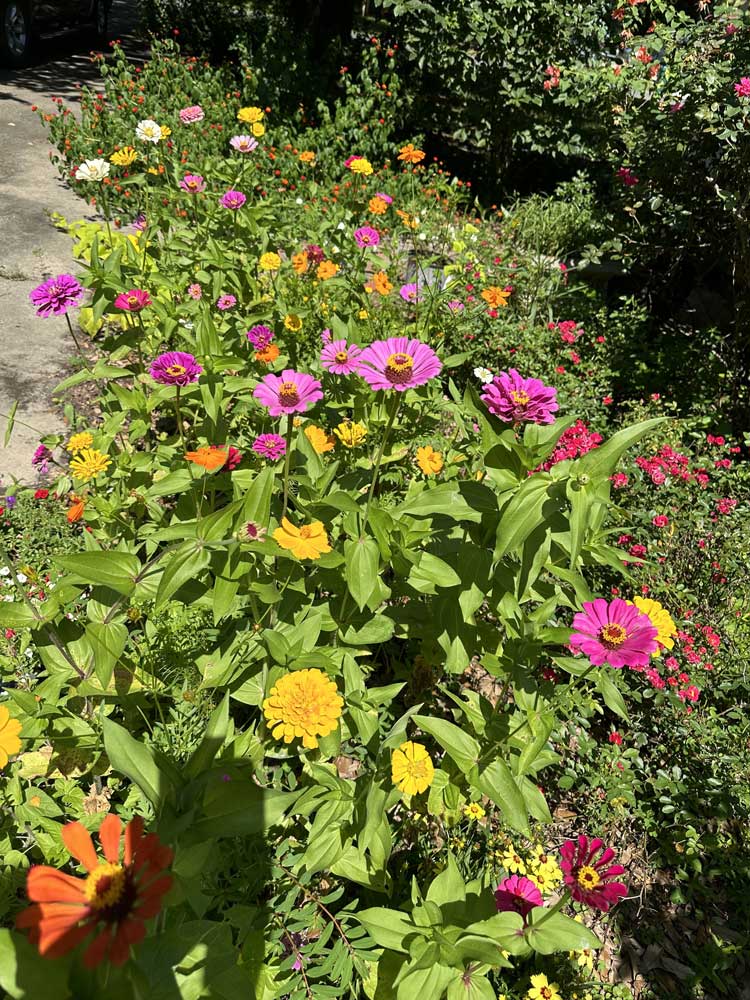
(387, 642)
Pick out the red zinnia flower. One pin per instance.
(112, 902)
(591, 882)
(41, 494)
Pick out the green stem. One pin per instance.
(178, 415)
(379, 459)
(72, 334)
(287, 463)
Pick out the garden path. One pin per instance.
(34, 351)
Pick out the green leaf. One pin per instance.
(613, 698)
(548, 933)
(186, 564)
(136, 761)
(497, 783)
(362, 563)
(11, 423)
(117, 570)
(523, 514)
(601, 462)
(459, 746)
(108, 643)
(448, 886)
(24, 976)
(238, 809)
(213, 739)
(389, 928)
(431, 571)
(442, 499)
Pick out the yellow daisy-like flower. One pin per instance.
(412, 770)
(79, 441)
(327, 269)
(303, 704)
(307, 156)
(165, 131)
(584, 959)
(308, 542)
(124, 157)
(9, 730)
(88, 463)
(249, 115)
(363, 314)
(361, 166)
(350, 435)
(293, 322)
(318, 438)
(660, 619)
(429, 460)
(474, 811)
(543, 989)
(269, 261)
(258, 129)
(550, 873)
(513, 862)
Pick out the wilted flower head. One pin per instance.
(92, 170)
(251, 532)
(515, 399)
(192, 114)
(243, 143)
(41, 456)
(175, 368)
(56, 296)
(340, 358)
(193, 183)
(233, 200)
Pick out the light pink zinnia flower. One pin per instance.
(366, 236)
(233, 200)
(195, 291)
(243, 143)
(410, 292)
(290, 392)
(192, 114)
(175, 368)
(225, 302)
(398, 363)
(616, 633)
(591, 882)
(517, 894)
(193, 183)
(384, 197)
(133, 301)
(340, 358)
(514, 399)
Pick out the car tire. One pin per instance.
(15, 32)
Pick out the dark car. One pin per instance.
(22, 20)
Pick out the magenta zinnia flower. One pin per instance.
(616, 633)
(193, 183)
(398, 363)
(366, 236)
(742, 89)
(175, 368)
(243, 143)
(56, 296)
(591, 882)
(340, 358)
(515, 399)
(384, 197)
(133, 301)
(233, 199)
(290, 392)
(192, 114)
(225, 302)
(271, 446)
(517, 894)
(260, 336)
(410, 292)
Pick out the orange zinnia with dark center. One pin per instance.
(112, 902)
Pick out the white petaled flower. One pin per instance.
(5, 571)
(243, 143)
(22, 578)
(92, 170)
(483, 374)
(148, 130)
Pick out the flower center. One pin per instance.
(288, 394)
(612, 636)
(342, 357)
(519, 397)
(305, 531)
(546, 993)
(398, 368)
(588, 877)
(192, 185)
(132, 300)
(104, 886)
(175, 370)
(418, 769)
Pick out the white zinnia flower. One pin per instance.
(148, 131)
(483, 374)
(92, 170)
(22, 578)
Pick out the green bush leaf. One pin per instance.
(136, 761)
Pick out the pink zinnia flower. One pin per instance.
(455, 305)
(133, 301)
(660, 521)
(271, 446)
(513, 399)
(366, 236)
(591, 881)
(175, 368)
(616, 633)
(140, 222)
(627, 177)
(384, 197)
(225, 302)
(290, 392)
(340, 358)
(192, 114)
(517, 894)
(742, 88)
(195, 291)
(193, 183)
(233, 200)
(243, 143)
(260, 336)
(398, 363)
(56, 296)
(234, 457)
(410, 292)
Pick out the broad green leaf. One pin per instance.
(362, 563)
(10, 424)
(136, 761)
(613, 698)
(448, 886)
(497, 783)
(442, 499)
(186, 563)
(548, 933)
(108, 643)
(117, 570)
(389, 929)
(213, 740)
(24, 976)
(601, 462)
(523, 513)
(460, 747)
(238, 809)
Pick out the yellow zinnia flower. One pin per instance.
(79, 441)
(474, 811)
(429, 460)
(350, 435)
(293, 323)
(661, 619)
(307, 156)
(318, 438)
(269, 261)
(9, 730)
(249, 115)
(165, 131)
(543, 989)
(303, 703)
(412, 770)
(308, 542)
(88, 463)
(124, 157)
(361, 166)
(258, 129)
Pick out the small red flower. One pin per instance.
(41, 494)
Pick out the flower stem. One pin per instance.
(379, 458)
(287, 462)
(178, 415)
(72, 334)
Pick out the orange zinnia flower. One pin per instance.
(495, 296)
(268, 354)
(381, 284)
(327, 269)
(113, 901)
(409, 154)
(300, 262)
(75, 512)
(377, 206)
(209, 459)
